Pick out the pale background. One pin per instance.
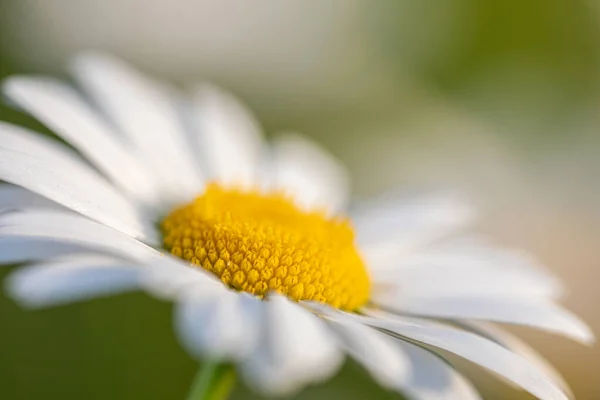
(499, 99)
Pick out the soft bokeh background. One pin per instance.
(497, 98)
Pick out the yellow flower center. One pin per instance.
(259, 242)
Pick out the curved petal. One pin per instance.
(146, 114)
(48, 169)
(399, 365)
(390, 228)
(518, 346)
(295, 349)
(15, 197)
(460, 280)
(62, 110)
(311, 176)
(69, 280)
(27, 141)
(163, 275)
(72, 229)
(229, 137)
(470, 265)
(466, 267)
(434, 379)
(216, 323)
(472, 347)
(15, 250)
(73, 191)
(380, 354)
(168, 277)
(535, 313)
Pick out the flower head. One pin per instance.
(254, 242)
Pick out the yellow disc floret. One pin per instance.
(258, 242)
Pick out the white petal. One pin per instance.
(146, 114)
(391, 228)
(167, 276)
(460, 281)
(164, 276)
(398, 365)
(465, 255)
(72, 190)
(15, 197)
(380, 354)
(534, 313)
(466, 268)
(311, 176)
(214, 322)
(229, 136)
(14, 250)
(295, 348)
(472, 347)
(62, 110)
(69, 228)
(434, 379)
(69, 280)
(48, 169)
(27, 141)
(518, 346)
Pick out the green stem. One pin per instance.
(214, 381)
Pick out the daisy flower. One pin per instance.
(268, 267)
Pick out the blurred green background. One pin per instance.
(499, 99)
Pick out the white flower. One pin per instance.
(294, 295)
